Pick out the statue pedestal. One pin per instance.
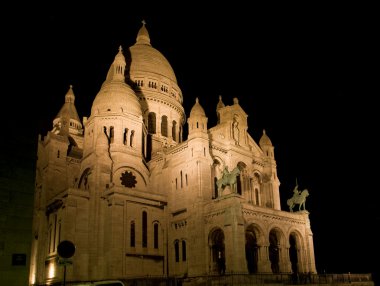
(227, 190)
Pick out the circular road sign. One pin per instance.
(66, 249)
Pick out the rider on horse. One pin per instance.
(296, 192)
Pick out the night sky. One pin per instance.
(304, 73)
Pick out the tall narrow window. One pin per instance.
(174, 130)
(132, 233)
(155, 236)
(143, 138)
(105, 131)
(186, 180)
(164, 126)
(215, 188)
(132, 136)
(181, 180)
(176, 250)
(183, 250)
(152, 123)
(125, 136)
(144, 229)
(257, 197)
(238, 184)
(111, 134)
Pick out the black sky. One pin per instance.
(303, 72)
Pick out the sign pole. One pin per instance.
(64, 274)
(65, 249)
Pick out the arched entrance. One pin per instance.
(274, 255)
(251, 250)
(217, 251)
(293, 253)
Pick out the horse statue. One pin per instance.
(228, 178)
(298, 198)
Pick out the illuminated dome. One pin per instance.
(146, 59)
(197, 109)
(264, 140)
(68, 113)
(115, 95)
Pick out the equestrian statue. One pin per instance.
(298, 198)
(228, 179)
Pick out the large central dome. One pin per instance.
(146, 59)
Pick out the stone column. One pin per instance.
(286, 265)
(263, 261)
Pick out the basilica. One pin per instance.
(137, 199)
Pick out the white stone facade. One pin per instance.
(137, 200)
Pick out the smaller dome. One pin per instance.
(197, 109)
(67, 119)
(68, 109)
(116, 95)
(264, 140)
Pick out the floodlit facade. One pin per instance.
(136, 199)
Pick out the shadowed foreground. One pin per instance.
(246, 279)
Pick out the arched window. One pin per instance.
(132, 234)
(111, 134)
(238, 184)
(143, 142)
(183, 250)
(174, 130)
(215, 188)
(152, 123)
(125, 136)
(132, 136)
(257, 199)
(176, 250)
(155, 235)
(164, 126)
(144, 229)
